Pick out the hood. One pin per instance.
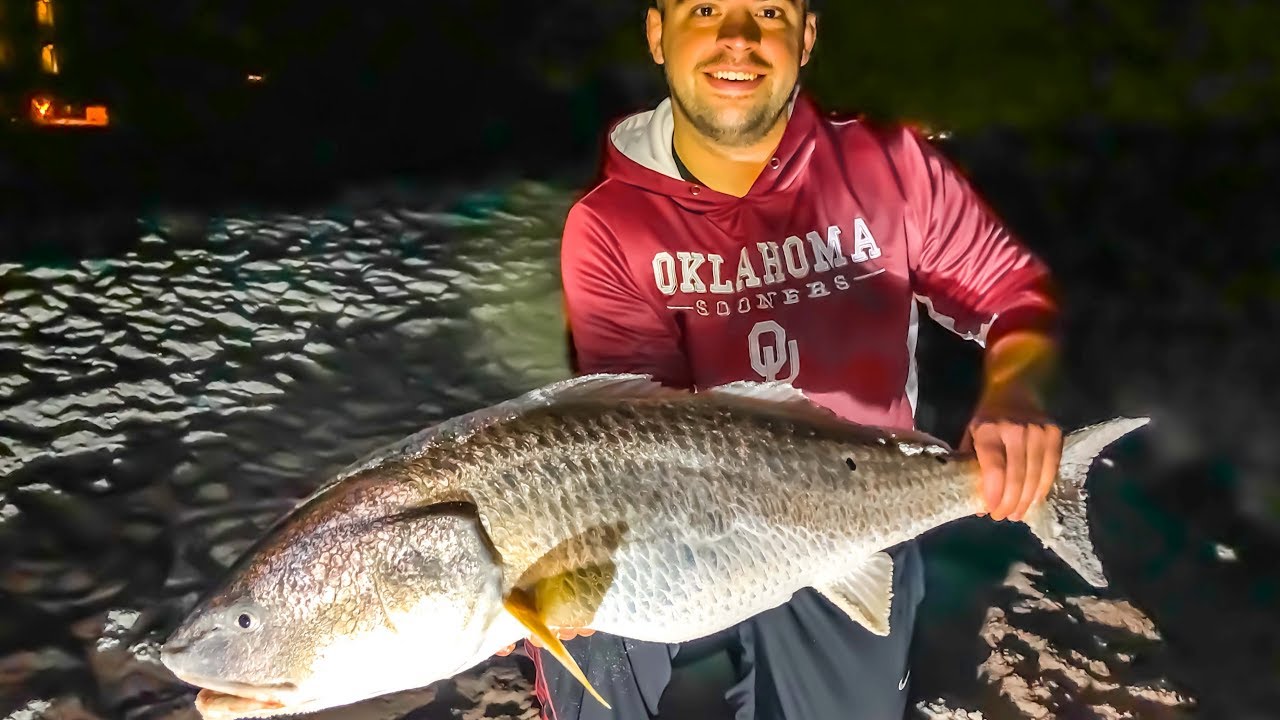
(639, 153)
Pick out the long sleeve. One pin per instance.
(612, 326)
(973, 275)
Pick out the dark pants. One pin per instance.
(803, 660)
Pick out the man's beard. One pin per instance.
(752, 127)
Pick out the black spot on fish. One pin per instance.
(852, 465)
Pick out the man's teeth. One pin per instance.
(735, 75)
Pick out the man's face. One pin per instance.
(731, 65)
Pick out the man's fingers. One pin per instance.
(1015, 474)
(991, 463)
(565, 634)
(1035, 439)
(966, 446)
(1052, 458)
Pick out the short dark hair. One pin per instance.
(809, 5)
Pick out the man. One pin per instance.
(740, 235)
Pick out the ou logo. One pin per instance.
(771, 352)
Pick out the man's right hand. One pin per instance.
(565, 634)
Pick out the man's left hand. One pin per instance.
(1018, 449)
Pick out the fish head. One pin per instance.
(228, 649)
(340, 609)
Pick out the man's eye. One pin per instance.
(704, 11)
(771, 13)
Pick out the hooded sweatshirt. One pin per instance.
(814, 278)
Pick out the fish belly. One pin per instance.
(672, 589)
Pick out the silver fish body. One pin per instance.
(676, 518)
(605, 502)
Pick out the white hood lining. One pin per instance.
(645, 137)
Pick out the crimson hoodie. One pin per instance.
(814, 278)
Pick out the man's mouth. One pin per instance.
(738, 76)
(734, 81)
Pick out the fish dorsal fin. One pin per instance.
(597, 387)
(865, 594)
(786, 398)
(776, 391)
(600, 386)
(776, 397)
(918, 440)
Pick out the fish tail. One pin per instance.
(1060, 522)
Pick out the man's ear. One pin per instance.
(810, 37)
(653, 32)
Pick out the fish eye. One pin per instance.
(245, 619)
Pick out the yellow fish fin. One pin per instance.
(523, 607)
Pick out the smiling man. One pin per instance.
(740, 234)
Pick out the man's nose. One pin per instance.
(739, 32)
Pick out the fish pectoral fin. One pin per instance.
(865, 594)
(524, 607)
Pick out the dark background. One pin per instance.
(441, 88)
(1132, 143)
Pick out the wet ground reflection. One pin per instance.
(163, 406)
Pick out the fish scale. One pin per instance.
(703, 514)
(606, 502)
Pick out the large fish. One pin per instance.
(605, 502)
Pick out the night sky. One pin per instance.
(352, 85)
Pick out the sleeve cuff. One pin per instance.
(1026, 318)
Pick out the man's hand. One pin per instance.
(1017, 445)
(565, 634)
(1018, 460)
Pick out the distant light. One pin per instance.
(49, 59)
(96, 115)
(44, 12)
(254, 78)
(43, 112)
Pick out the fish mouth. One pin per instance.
(221, 698)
